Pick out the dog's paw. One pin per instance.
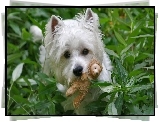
(61, 87)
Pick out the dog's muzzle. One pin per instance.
(78, 71)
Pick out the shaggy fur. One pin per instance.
(69, 44)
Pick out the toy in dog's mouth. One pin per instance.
(82, 84)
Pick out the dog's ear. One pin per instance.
(91, 17)
(89, 14)
(54, 22)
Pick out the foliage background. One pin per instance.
(129, 40)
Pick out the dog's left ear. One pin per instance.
(91, 17)
(55, 21)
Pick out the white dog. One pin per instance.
(69, 46)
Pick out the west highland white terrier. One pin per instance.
(69, 46)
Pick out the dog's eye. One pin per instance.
(67, 54)
(85, 51)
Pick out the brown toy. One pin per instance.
(82, 84)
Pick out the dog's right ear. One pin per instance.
(55, 21)
(92, 17)
(89, 14)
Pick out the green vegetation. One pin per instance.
(129, 40)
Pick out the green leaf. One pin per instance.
(14, 91)
(28, 61)
(140, 88)
(119, 103)
(21, 82)
(12, 57)
(110, 101)
(45, 78)
(129, 14)
(104, 95)
(135, 73)
(42, 75)
(122, 22)
(143, 77)
(111, 52)
(26, 82)
(107, 88)
(128, 57)
(112, 109)
(151, 78)
(39, 82)
(143, 36)
(151, 67)
(58, 98)
(103, 20)
(92, 106)
(137, 110)
(22, 44)
(140, 75)
(120, 38)
(47, 89)
(141, 57)
(19, 111)
(26, 90)
(52, 108)
(32, 81)
(25, 35)
(138, 24)
(34, 21)
(42, 105)
(11, 47)
(131, 82)
(15, 28)
(101, 84)
(33, 99)
(20, 100)
(148, 110)
(13, 16)
(96, 106)
(139, 66)
(123, 74)
(150, 55)
(126, 49)
(17, 72)
(138, 99)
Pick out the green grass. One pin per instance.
(129, 40)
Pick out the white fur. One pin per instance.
(74, 35)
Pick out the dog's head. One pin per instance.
(71, 44)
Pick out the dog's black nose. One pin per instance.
(78, 71)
